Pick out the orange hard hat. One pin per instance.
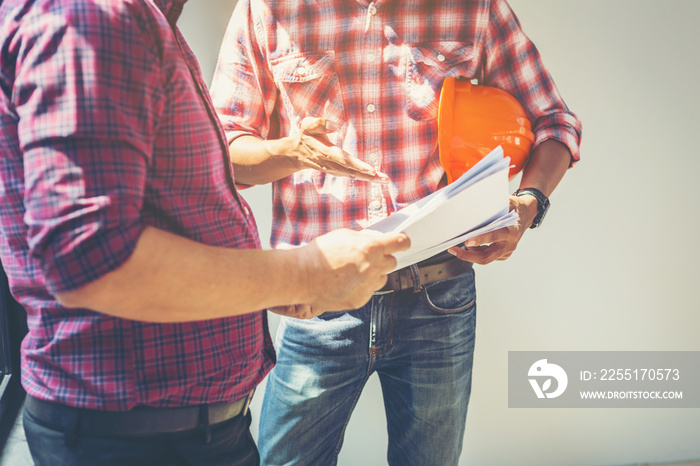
(473, 120)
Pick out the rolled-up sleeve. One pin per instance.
(88, 95)
(513, 63)
(243, 89)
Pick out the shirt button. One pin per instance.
(441, 57)
(371, 108)
(372, 10)
(373, 158)
(376, 205)
(301, 71)
(371, 57)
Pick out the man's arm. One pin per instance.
(545, 168)
(245, 95)
(259, 161)
(87, 138)
(169, 278)
(512, 63)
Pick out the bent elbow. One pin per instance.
(71, 299)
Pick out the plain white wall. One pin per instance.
(615, 266)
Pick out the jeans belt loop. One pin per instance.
(204, 422)
(415, 275)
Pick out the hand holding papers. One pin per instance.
(474, 204)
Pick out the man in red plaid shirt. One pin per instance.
(124, 238)
(335, 103)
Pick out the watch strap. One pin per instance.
(542, 203)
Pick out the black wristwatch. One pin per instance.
(542, 204)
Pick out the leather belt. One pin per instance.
(140, 421)
(431, 270)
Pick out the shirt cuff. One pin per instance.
(563, 128)
(230, 136)
(69, 268)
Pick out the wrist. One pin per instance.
(528, 210)
(541, 203)
(283, 151)
(299, 274)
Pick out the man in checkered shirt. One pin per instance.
(124, 238)
(335, 103)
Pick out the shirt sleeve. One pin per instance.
(88, 95)
(513, 63)
(243, 89)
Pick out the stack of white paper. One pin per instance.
(475, 203)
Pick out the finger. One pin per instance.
(316, 311)
(393, 242)
(282, 310)
(502, 234)
(303, 311)
(323, 155)
(344, 165)
(337, 170)
(481, 254)
(386, 264)
(382, 178)
(331, 126)
(317, 126)
(339, 157)
(457, 252)
(381, 282)
(475, 254)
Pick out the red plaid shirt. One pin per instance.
(376, 69)
(106, 127)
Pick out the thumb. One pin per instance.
(318, 126)
(331, 126)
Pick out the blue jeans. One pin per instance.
(231, 444)
(420, 344)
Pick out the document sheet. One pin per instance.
(475, 203)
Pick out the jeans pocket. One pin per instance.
(452, 296)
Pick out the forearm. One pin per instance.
(169, 278)
(544, 170)
(258, 161)
(546, 167)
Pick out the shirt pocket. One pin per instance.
(309, 86)
(427, 66)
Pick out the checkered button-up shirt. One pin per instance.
(106, 127)
(376, 69)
